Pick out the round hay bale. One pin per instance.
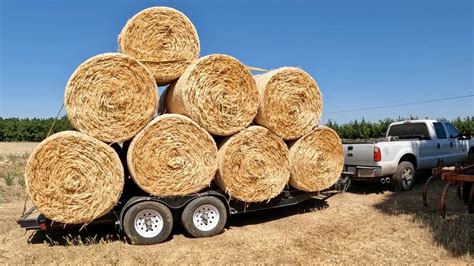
(172, 156)
(253, 165)
(316, 160)
(218, 92)
(111, 97)
(290, 102)
(162, 38)
(73, 178)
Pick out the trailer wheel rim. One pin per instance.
(206, 217)
(407, 177)
(148, 223)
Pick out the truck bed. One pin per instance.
(389, 139)
(363, 141)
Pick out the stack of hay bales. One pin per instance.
(75, 176)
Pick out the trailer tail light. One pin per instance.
(42, 226)
(377, 155)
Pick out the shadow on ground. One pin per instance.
(263, 216)
(76, 236)
(360, 187)
(455, 233)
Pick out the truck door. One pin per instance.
(427, 154)
(442, 148)
(458, 147)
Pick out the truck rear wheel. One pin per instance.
(404, 178)
(204, 217)
(470, 157)
(148, 223)
(466, 191)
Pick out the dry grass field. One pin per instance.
(13, 156)
(16, 148)
(367, 225)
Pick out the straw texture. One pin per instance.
(316, 160)
(172, 156)
(73, 178)
(111, 97)
(253, 165)
(162, 38)
(218, 92)
(290, 102)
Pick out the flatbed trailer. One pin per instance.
(149, 220)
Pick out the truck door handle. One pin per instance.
(451, 144)
(439, 146)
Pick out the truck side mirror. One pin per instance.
(464, 136)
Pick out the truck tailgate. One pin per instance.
(359, 154)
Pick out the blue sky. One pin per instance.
(362, 53)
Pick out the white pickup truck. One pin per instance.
(409, 146)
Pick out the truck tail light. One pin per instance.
(377, 155)
(42, 226)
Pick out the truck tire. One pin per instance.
(148, 223)
(204, 217)
(466, 191)
(470, 157)
(404, 178)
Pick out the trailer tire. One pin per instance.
(204, 217)
(404, 177)
(147, 223)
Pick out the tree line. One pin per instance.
(372, 130)
(36, 129)
(31, 129)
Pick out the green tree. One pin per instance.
(34, 129)
(369, 130)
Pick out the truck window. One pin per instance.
(440, 133)
(453, 132)
(409, 130)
